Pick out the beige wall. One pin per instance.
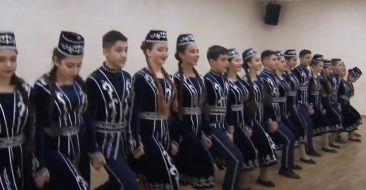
(331, 27)
(37, 24)
(335, 28)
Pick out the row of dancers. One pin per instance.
(167, 130)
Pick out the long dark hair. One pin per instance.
(251, 104)
(182, 49)
(282, 81)
(19, 86)
(50, 78)
(326, 86)
(312, 81)
(162, 104)
(237, 76)
(30, 127)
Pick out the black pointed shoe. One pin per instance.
(244, 187)
(296, 167)
(329, 150)
(309, 161)
(334, 145)
(267, 183)
(314, 153)
(289, 174)
(355, 140)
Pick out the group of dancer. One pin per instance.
(163, 130)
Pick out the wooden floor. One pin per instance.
(345, 170)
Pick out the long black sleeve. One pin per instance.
(91, 115)
(268, 110)
(41, 102)
(137, 102)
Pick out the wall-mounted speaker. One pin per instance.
(272, 13)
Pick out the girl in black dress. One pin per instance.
(325, 114)
(16, 123)
(60, 102)
(193, 159)
(254, 110)
(352, 118)
(238, 96)
(154, 94)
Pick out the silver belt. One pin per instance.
(304, 88)
(275, 100)
(282, 99)
(192, 111)
(62, 131)
(153, 116)
(9, 142)
(237, 107)
(110, 127)
(217, 110)
(292, 93)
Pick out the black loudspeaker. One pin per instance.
(272, 13)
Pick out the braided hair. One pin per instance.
(162, 104)
(251, 104)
